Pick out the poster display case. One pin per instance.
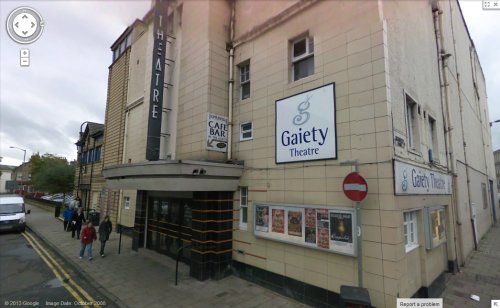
(434, 226)
(323, 228)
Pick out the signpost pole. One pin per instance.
(359, 238)
(359, 242)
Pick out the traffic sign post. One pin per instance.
(356, 189)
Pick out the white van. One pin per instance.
(12, 213)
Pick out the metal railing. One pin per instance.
(177, 260)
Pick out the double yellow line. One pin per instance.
(81, 296)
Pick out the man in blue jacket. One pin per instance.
(68, 212)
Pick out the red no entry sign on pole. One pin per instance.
(355, 187)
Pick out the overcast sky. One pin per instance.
(42, 106)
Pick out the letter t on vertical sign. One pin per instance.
(157, 79)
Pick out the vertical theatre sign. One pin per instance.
(157, 79)
(306, 126)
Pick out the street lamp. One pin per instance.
(497, 121)
(24, 161)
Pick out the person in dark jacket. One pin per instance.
(88, 237)
(105, 229)
(77, 220)
(68, 214)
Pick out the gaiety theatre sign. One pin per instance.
(306, 126)
(157, 81)
(412, 180)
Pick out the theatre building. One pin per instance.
(231, 126)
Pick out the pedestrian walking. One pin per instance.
(67, 214)
(105, 229)
(77, 220)
(88, 237)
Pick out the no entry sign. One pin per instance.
(355, 187)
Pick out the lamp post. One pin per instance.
(496, 121)
(24, 161)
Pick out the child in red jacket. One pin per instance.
(87, 237)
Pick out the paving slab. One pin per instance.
(146, 278)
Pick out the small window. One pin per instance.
(97, 154)
(243, 207)
(116, 53)
(302, 57)
(410, 230)
(411, 123)
(244, 81)
(432, 140)
(246, 131)
(91, 156)
(485, 195)
(126, 203)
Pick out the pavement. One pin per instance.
(480, 276)
(147, 278)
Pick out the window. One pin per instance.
(246, 131)
(485, 195)
(91, 156)
(435, 221)
(411, 122)
(410, 230)
(126, 202)
(433, 149)
(302, 57)
(120, 49)
(244, 81)
(243, 207)
(97, 154)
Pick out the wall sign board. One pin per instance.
(216, 132)
(412, 180)
(328, 229)
(306, 126)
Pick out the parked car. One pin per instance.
(12, 213)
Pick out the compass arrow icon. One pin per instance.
(17, 24)
(32, 24)
(25, 17)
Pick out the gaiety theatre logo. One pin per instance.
(304, 142)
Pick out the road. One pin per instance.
(33, 275)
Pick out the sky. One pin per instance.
(43, 106)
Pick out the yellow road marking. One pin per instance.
(68, 287)
(66, 275)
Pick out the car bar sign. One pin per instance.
(306, 127)
(216, 132)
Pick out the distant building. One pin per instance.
(231, 126)
(22, 176)
(88, 173)
(5, 176)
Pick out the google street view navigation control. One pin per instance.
(24, 26)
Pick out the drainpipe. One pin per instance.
(231, 85)
(460, 101)
(447, 121)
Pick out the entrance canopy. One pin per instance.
(174, 175)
